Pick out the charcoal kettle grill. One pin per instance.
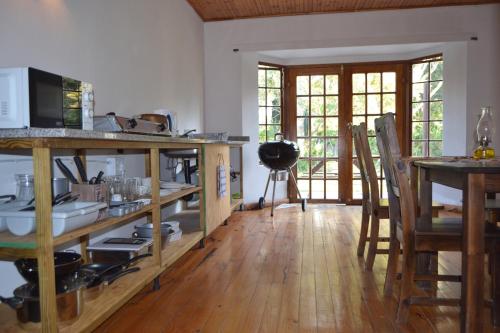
(279, 156)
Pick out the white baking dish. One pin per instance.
(65, 217)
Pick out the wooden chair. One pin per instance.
(414, 236)
(373, 207)
(371, 204)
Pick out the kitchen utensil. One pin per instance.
(66, 172)
(81, 168)
(26, 302)
(65, 263)
(146, 231)
(104, 252)
(59, 185)
(91, 292)
(104, 271)
(25, 187)
(97, 179)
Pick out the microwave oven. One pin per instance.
(31, 97)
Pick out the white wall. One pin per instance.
(226, 103)
(140, 56)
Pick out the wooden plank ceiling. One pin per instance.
(218, 10)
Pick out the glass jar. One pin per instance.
(25, 187)
(485, 130)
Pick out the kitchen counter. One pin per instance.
(34, 133)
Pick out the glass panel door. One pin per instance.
(321, 103)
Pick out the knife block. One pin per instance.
(93, 193)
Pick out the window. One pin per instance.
(270, 101)
(427, 107)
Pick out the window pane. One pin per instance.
(332, 148)
(302, 126)
(317, 147)
(358, 83)
(262, 97)
(436, 130)
(389, 101)
(332, 189)
(317, 106)
(417, 148)
(332, 105)
(417, 112)
(303, 168)
(332, 169)
(420, 72)
(436, 92)
(436, 70)
(370, 125)
(373, 82)
(273, 97)
(262, 77)
(358, 104)
(417, 131)
(435, 148)
(274, 115)
(332, 126)
(317, 189)
(318, 169)
(272, 130)
(302, 85)
(374, 104)
(372, 142)
(357, 190)
(303, 186)
(358, 120)
(274, 78)
(262, 115)
(262, 133)
(332, 84)
(389, 81)
(304, 147)
(356, 173)
(302, 106)
(317, 127)
(419, 92)
(436, 110)
(317, 85)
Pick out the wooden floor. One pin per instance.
(298, 272)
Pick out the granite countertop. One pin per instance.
(22, 133)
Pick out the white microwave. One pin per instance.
(31, 97)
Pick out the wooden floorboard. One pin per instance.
(298, 272)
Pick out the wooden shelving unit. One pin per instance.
(41, 244)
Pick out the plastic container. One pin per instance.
(9, 206)
(65, 218)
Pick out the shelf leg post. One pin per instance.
(45, 250)
(202, 243)
(156, 283)
(154, 155)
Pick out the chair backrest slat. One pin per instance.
(366, 165)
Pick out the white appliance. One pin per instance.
(30, 97)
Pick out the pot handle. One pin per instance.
(134, 259)
(13, 302)
(114, 277)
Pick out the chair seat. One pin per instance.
(435, 205)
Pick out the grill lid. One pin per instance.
(279, 154)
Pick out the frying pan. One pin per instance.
(65, 263)
(102, 271)
(92, 291)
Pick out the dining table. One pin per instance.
(474, 178)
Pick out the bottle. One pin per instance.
(485, 130)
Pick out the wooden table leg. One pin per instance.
(473, 255)
(424, 261)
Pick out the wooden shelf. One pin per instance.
(95, 311)
(235, 203)
(179, 194)
(8, 240)
(177, 249)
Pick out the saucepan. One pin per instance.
(26, 302)
(65, 263)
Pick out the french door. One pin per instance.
(322, 102)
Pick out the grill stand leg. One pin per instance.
(267, 184)
(274, 190)
(298, 191)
